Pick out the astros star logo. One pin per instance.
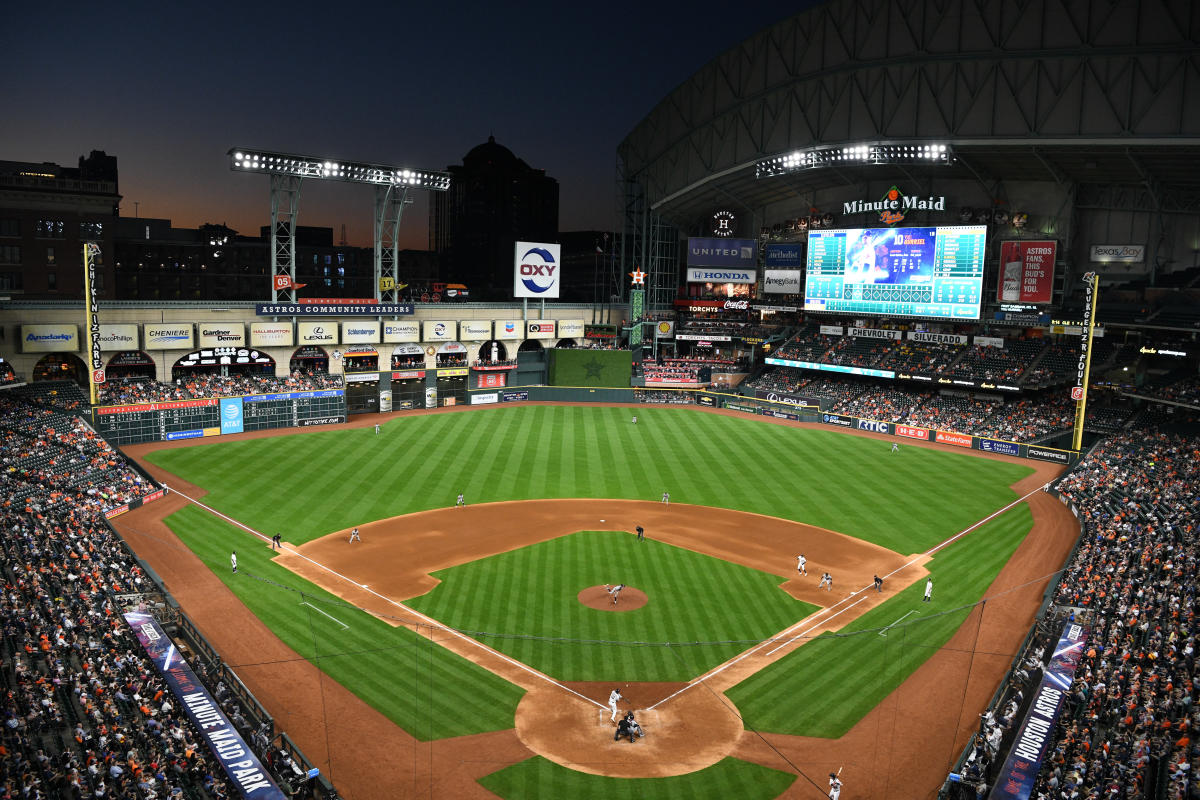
(639, 277)
(594, 367)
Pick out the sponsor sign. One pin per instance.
(540, 329)
(433, 330)
(336, 301)
(879, 426)
(513, 396)
(343, 308)
(702, 337)
(718, 275)
(536, 269)
(322, 421)
(1047, 454)
(1026, 271)
(911, 432)
(231, 415)
(957, 439)
(272, 334)
(508, 329)
(401, 332)
(789, 399)
(936, 338)
(781, 281)
(837, 419)
(571, 328)
(474, 330)
(739, 254)
(452, 372)
(784, 255)
(989, 341)
(195, 433)
(1000, 446)
(408, 374)
(665, 329)
(49, 338)
(241, 766)
(832, 330)
(317, 332)
(770, 412)
(222, 334)
(168, 336)
(118, 337)
(873, 333)
(1160, 351)
(484, 398)
(1016, 778)
(706, 400)
(868, 371)
(491, 379)
(362, 377)
(1119, 253)
(451, 347)
(365, 332)
(895, 205)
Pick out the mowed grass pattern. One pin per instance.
(308, 484)
(537, 779)
(528, 597)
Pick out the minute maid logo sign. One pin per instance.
(537, 269)
(895, 205)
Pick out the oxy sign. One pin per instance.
(536, 269)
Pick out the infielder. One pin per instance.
(835, 786)
(354, 537)
(614, 591)
(613, 697)
(641, 533)
(826, 581)
(928, 590)
(460, 501)
(666, 498)
(802, 564)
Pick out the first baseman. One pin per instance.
(613, 697)
(826, 581)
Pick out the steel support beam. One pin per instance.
(285, 207)
(389, 208)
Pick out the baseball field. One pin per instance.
(483, 635)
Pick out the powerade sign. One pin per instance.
(874, 425)
(785, 255)
(836, 419)
(737, 253)
(536, 269)
(1042, 454)
(231, 415)
(998, 446)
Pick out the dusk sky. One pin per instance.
(168, 88)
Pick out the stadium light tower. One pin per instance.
(287, 170)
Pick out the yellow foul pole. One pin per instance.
(1091, 296)
(91, 319)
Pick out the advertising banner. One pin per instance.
(349, 308)
(781, 281)
(837, 419)
(784, 255)
(665, 329)
(485, 398)
(536, 269)
(876, 425)
(989, 341)
(231, 415)
(936, 338)
(324, 332)
(513, 396)
(222, 334)
(571, 328)
(508, 329)
(540, 329)
(168, 336)
(833, 330)
(452, 372)
(706, 400)
(1000, 446)
(272, 334)
(408, 374)
(911, 432)
(364, 332)
(1016, 778)
(1048, 454)
(717, 275)
(491, 379)
(789, 399)
(242, 767)
(401, 332)
(474, 330)
(433, 330)
(118, 337)
(1120, 253)
(740, 254)
(702, 337)
(873, 333)
(771, 412)
(956, 439)
(49, 338)
(1026, 271)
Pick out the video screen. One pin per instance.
(898, 272)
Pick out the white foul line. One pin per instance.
(428, 620)
(319, 611)
(883, 631)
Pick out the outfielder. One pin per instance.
(928, 590)
(802, 564)
(895, 447)
(614, 591)
(635, 419)
(233, 560)
(613, 697)
(826, 581)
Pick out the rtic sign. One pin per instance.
(873, 425)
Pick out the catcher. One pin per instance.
(628, 726)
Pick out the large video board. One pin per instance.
(898, 272)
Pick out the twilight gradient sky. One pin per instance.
(168, 88)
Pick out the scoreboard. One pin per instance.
(191, 419)
(897, 272)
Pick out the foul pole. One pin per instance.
(1091, 291)
(91, 320)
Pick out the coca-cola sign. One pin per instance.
(737, 305)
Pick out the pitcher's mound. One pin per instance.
(597, 597)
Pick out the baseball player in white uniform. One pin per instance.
(835, 786)
(613, 697)
(666, 498)
(802, 564)
(928, 590)
(354, 537)
(615, 591)
(826, 581)
(895, 447)
(460, 501)
(233, 560)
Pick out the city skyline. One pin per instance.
(169, 93)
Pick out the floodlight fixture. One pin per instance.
(855, 155)
(272, 163)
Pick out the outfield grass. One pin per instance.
(693, 598)
(537, 778)
(307, 485)
(824, 687)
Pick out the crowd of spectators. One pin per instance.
(883, 403)
(86, 714)
(203, 385)
(1029, 418)
(924, 358)
(663, 397)
(1185, 390)
(961, 413)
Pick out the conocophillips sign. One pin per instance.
(118, 337)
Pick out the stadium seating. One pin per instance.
(200, 385)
